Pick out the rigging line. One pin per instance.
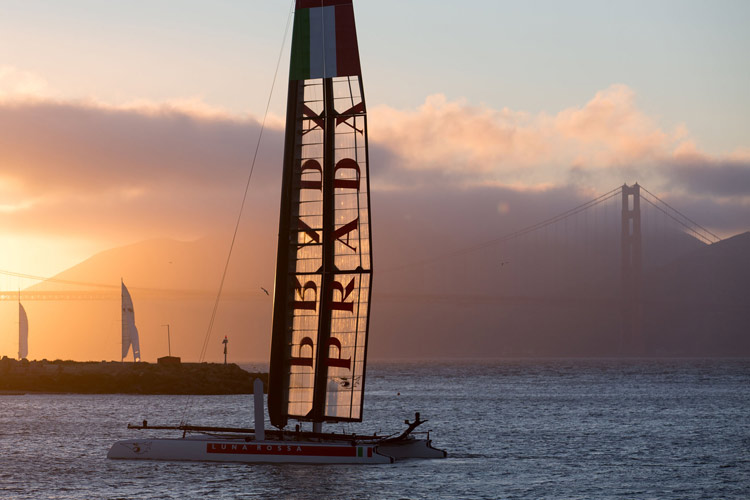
(681, 214)
(247, 188)
(242, 205)
(521, 232)
(690, 229)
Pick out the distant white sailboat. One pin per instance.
(23, 332)
(129, 331)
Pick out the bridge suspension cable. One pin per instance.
(57, 280)
(515, 234)
(108, 292)
(683, 220)
(693, 227)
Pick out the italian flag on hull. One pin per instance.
(324, 41)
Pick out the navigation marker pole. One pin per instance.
(225, 342)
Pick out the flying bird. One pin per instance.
(265, 290)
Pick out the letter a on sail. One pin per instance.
(129, 331)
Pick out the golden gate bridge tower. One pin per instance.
(631, 269)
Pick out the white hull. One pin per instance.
(247, 450)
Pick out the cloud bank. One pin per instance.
(179, 169)
(84, 167)
(601, 144)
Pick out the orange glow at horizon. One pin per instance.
(39, 255)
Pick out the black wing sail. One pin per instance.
(324, 262)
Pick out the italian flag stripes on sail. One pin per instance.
(324, 41)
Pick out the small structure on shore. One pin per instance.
(169, 361)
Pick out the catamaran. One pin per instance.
(321, 305)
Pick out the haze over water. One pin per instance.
(515, 429)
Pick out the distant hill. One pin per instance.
(157, 265)
(700, 303)
(171, 282)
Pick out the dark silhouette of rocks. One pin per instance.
(111, 377)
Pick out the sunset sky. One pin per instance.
(123, 121)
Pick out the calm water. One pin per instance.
(671, 429)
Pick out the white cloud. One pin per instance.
(592, 145)
(177, 169)
(17, 84)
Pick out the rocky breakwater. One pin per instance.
(111, 377)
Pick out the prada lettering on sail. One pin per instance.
(323, 264)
